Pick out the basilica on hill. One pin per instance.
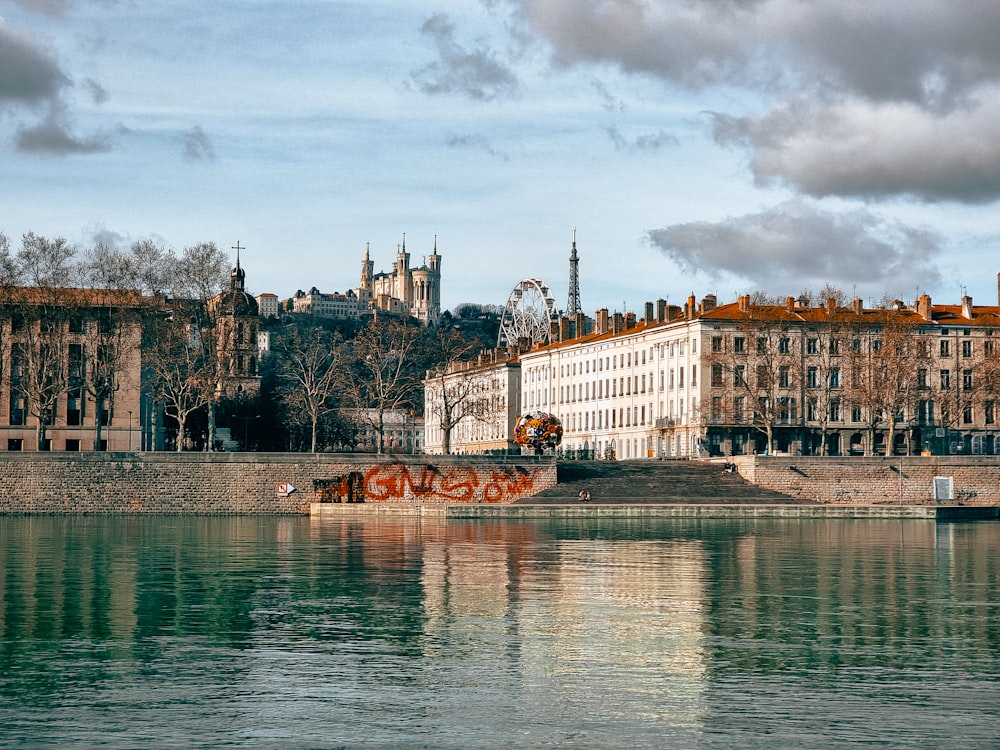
(415, 292)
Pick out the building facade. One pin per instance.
(827, 379)
(72, 375)
(472, 407)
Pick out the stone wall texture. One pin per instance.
(232, 483)
(876, 480)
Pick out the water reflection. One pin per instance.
(597, 633)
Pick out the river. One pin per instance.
(246, 632)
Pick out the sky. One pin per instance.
(691, 146)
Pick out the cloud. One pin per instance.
(197, 146)
(97, 92)
(855, 148)
(29, 73)
(796, 245)
(475, 73)
(925, 51)
(476, 143)
(871, 100)
(648, 142)
(54, 136)
(54, 8)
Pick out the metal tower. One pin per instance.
(573, 303)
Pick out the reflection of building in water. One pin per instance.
(636, 610)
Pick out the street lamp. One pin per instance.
(246, 428)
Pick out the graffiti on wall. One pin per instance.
(398, 482)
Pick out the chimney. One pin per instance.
(967, 307)
(708, 303)
(898, 306)
(617, 323)
(555, 329)
(689, 309)
(564, 330)
(661, 306)
(580, 321)
(744, 302)
(857, 305)
(601, 321)
(789, 303)
(924, 308)
(629, 320)
(831, 306)
(649, 313)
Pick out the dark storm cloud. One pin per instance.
(54, 136)
(197, 146)
(796, 245)
(861, 99)
(476, 73)
(29, 73)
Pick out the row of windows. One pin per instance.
(833, 346)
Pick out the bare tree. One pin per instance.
(383, 378)
(311, 368)
(755, 371)
(455, 384)
(183, 372)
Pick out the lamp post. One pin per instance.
(246, 428)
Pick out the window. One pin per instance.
(783, 376)
(763, 377)
(966, 380)
(835, 410)
(855, 412)
(835, 346)
(967, 415)
(834, 377)
(945, 348)
(738, 409)
(988, 412)
(738, 344)
(922, 379)
(717, 375)
(761, 344)
(716, 343)
(812, 377)
(945, 379)
(739, 375)
(812, 346)
(966, 348)
(694, 376)
(784, 345)
(716, 408)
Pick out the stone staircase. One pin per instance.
(670, 481)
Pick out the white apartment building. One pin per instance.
(631, 389)
(481, 400)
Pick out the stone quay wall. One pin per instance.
(903, 480)
(255, 483)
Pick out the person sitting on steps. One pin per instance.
(584, 496)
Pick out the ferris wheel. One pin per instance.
(529, 310)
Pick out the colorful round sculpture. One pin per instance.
(538, 430)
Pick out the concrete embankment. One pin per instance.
(257, 483)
